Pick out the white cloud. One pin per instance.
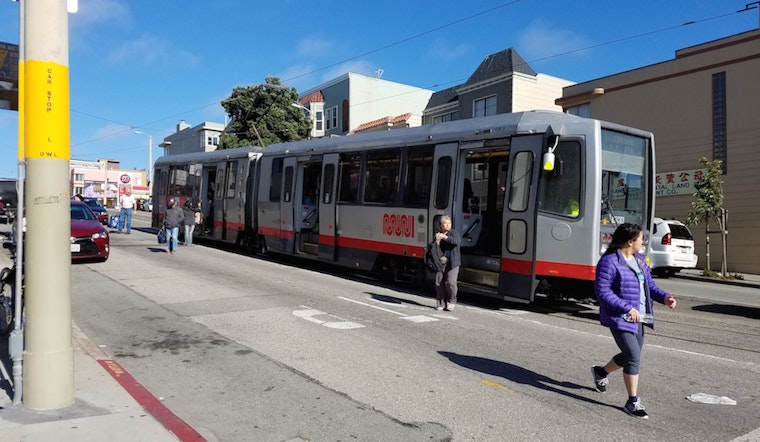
(446, 51)
(314, 46)
(151, 50)
(101, 12)
(542, 39)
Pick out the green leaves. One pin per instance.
(708, 198)
(263, 114)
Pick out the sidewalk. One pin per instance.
(696, 274)
(109, 404)
(102, 409)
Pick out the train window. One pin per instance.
(381, 177)
(219, 185)
(519, 192)
(560, 189)
(231, 177)
(288, 185)
(276, 180)
(517, 236)
(419, 171)
(443, 183)
(327, 185)
(349, 177)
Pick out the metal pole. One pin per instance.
(16, 339)
(48, 356)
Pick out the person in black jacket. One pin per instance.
(446, 280)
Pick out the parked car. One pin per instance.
(671, 248)
(89, 239)
(100, 212)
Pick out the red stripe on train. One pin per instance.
(549, 268)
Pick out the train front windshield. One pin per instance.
(624, 178)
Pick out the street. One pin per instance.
(256, 349)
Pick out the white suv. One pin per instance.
(671, 247)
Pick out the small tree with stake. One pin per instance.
(708, 206)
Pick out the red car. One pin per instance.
(89, 239)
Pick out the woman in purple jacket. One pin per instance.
(625, 291)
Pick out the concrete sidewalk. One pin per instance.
(103, 409)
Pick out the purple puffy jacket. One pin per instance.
(617, 289)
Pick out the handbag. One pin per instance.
(161, 236)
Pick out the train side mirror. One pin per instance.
(548, 161)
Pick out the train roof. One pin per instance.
(223, 154)
(495, 126)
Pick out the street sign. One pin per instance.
(125, 178)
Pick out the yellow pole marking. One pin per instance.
(46, 103)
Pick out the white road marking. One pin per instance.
(372, 306)
(420, 318)
(309, 314)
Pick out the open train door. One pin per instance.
(287, 205)
(517, 281)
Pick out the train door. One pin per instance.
(517, 281)
(217, 204)
(207, 198)
(327, 197)
(308, 180)
(481, 186)
(442, 189)
(287, 204)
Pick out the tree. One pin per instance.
(263, 114)
(708, 206)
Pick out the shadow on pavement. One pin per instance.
(521, 375)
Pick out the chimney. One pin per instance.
(182, 126)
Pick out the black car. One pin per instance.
(97, 209)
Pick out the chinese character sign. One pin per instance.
(678, 183)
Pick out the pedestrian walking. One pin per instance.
(446, 287)
(189, 211)
(127, 205)
(173, 219)
(625, 290)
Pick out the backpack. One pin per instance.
(433, 255)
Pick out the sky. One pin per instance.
(139, 65)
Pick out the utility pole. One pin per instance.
(48, 356)
(750, 6)
(150, 161)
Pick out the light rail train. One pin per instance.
(535, 195)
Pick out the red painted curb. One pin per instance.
(152, 405)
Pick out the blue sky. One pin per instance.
(146, 65)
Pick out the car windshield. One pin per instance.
(79, 212)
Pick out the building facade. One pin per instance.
(502, 83)
(201, 138)
(105, 180)
(702, 103)
(343, 104)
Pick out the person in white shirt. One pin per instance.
(125, 215)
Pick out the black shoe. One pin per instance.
(600, 383)
(636, 409)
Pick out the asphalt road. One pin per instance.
(245, 348)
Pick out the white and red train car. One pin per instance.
(535, 195)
